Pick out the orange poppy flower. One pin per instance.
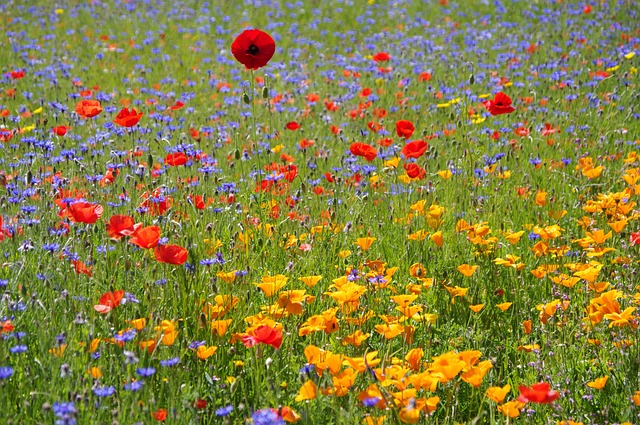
(88, 108)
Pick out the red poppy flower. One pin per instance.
(200, 404)
(176, 106)
(16, 75)
(85, 212)
(159, 415)
(121, 225)
(146, 237)
(290, 172)
(415, 171)
(415, 149)
(404, 128)
(109, 301)
(81, 268)
(538, 393)
(5, 135)
(385, 142)
(305, 143)
(6, 326)
(522, 131)
(109, 177)
(176, 159)
(88, 108)
(424, 76)
(197, 201)
(362, 149)
(500, 104)
(61, 130)
(381, 57)
(265, 335)
(635, 238)
(374, 126)
(128, 118)
(292, 125)
(171, 254)
(253, 48)
(548, 130)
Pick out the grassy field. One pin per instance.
(416, 212)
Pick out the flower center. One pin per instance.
(253, 50)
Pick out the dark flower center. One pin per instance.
(253, 50)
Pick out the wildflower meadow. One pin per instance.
(319, 212)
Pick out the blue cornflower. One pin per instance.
(266, 417)
(65, 413)
(371, 401)
(170, 362)
(224, 411)
(378, 279)
(125, 336)
(133, 386)
(104, 391)
(207, 262)
(353, 275)
(307, 369)
(145, 371)
(6, 372)
(18, 349)
(196, 344)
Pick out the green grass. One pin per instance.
(148, 56)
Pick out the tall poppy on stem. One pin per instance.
(109, 301)
(128, 118)
(146, 237)
(171, 254)
(415, 149)
(263, 334)
(500, 104)
(84, 212)
(538, 393)
(121, 225)
(253, 48)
